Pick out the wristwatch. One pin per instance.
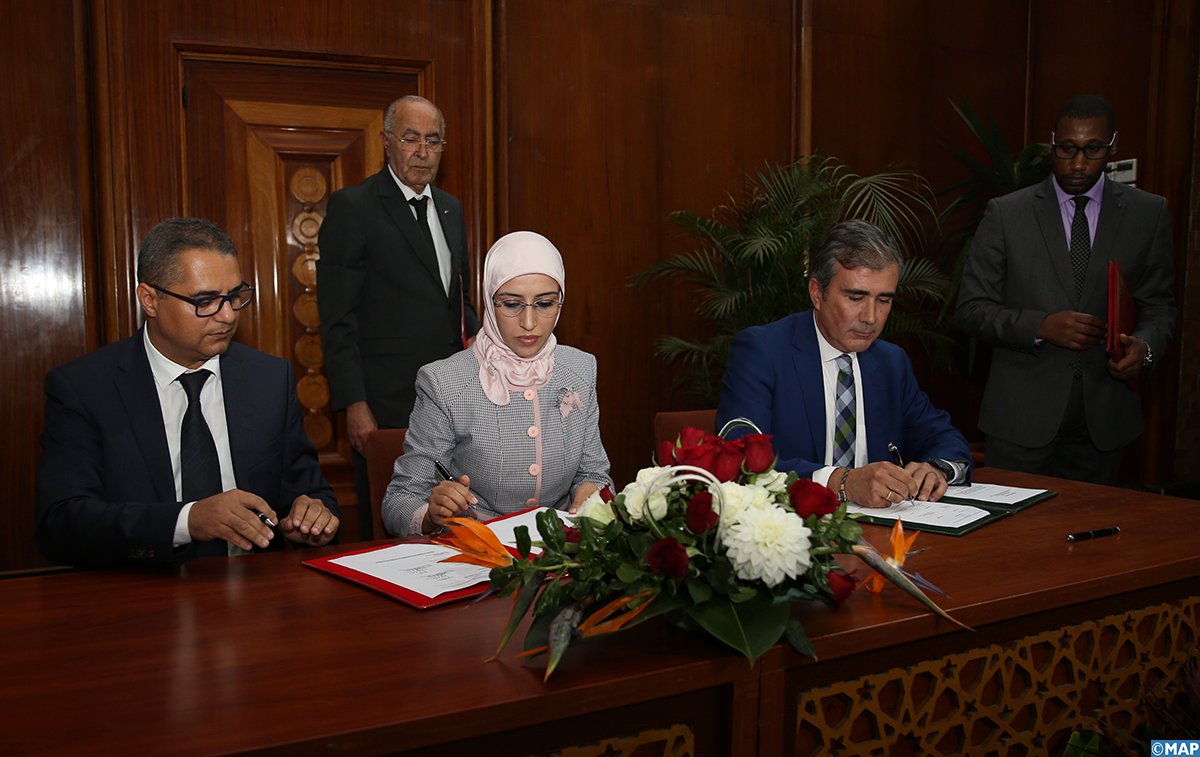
(946, 468)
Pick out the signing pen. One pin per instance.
(1097, 533)
(895, 452)
(445, 474)
(263, 517)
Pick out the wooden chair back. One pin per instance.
(383, 446)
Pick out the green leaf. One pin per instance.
(628, 572)
(750, 627)
(523, 541)
(562, 629)
(699, 591)
(550, 526)
(521, 604)
(798, 638)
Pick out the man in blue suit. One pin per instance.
(178, 443)
(844, 407)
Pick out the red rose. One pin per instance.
(572, 534)
(691, 437)
(728, 465)
(666, 453)
(810, 498)
(668, 557)
(841, 585)
(700, 514)
(760, 453)
(606, 493)
(701, 456)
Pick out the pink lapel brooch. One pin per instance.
(568, 400)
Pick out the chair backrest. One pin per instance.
(668, 425)
(383, 446)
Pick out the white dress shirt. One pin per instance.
(173, 401)
(829, 375)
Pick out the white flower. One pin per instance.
(595, 508)
(639, 496)
(773, 481)
(768, 544)
(737, 498)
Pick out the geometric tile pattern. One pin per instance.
(1022, 697)
(675, 741)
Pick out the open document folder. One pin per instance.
(960, 510)
(412, 571)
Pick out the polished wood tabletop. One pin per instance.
(260, 653)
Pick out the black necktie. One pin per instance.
(199, 468)
(422, 219)
(1081, 243)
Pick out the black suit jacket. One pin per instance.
(105, 488)
(384, 313)
(1019, 271)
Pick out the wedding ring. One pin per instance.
(889, 495)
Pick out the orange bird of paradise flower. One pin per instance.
(477, 544)
(900, 548)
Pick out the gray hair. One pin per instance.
(853, 244)
(158, 258)
(389, 116)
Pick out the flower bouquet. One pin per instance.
(714, 536)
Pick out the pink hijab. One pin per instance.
(513, 255)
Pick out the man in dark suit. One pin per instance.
(1034, 287)
(391, 281)
(833, 395)
(177, 443)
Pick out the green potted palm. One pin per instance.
(750, 264)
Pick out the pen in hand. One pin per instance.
(447, 476)
(895, 452)
(263, 517)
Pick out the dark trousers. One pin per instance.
(1070, 455)
(362, 488)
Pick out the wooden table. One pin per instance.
(262, 654)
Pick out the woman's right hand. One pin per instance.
(447, 500)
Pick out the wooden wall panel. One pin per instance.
(614, 115)
(46, 239)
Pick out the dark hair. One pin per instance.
(1088, 106)
(853, 244)
(158, 258)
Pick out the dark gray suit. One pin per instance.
(1019, 271)
(384, 312)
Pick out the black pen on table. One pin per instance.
(446, 476)
(1094, 534)
(895, 452)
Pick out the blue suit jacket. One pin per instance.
(105, 488)
(773, 377)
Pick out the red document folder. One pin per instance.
(398, 591)
(1122, 315)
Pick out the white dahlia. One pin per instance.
(767, 544)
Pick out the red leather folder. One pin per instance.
(396, 591)
(1122, 315)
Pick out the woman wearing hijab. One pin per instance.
(513, 420)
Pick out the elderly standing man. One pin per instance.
(392, 281)
(838, 399)
(178, 443)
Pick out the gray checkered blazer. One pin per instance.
(453, 421)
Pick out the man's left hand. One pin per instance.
(931, 482)
(1130, 365)
(309, 522)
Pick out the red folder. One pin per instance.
(1122, 315)
(396, 591)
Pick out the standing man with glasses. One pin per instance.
(392, 281)
(178, 443)
(1035, 288)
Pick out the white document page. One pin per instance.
(417, 567)
(993, 493)
(926, 513)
